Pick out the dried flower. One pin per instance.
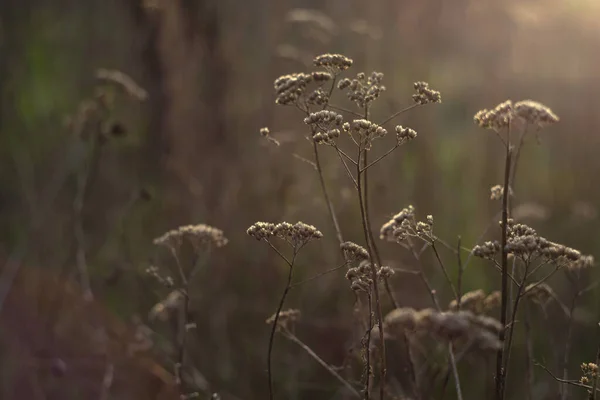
(334, 63)
(497, 118)
(285, 319)
(354, 252)
(365, 130)
(362, 90)
(404, 135)
(404, 225)
(197, 235)
(296, 235)
(425, 95)
(535, 113)
(487, 250)
(290, 87)
(449, 326)
(360, 277)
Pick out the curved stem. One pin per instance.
(276, 320)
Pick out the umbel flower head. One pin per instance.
(477, 302)
(197, 235)
(363, 90)
(297, 234)
(425, 95)
(404, 225)
(529, 111)
(525, 243)
(448, 326)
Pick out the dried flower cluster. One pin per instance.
(362, 90)
(539, 293)
(404, 135)
(589, 371)
(354, 252)
(404, 225)
(449, 326)
(497, 192)
(487, 250)
(497, 118)
(425, 95)
(524, 242)
(297, 234)
(325, 126)
(197, 235)
(529, 111)
(365, 131)
(535, 113)
(285, 319)
(477, 302)
(360, 277)
(334, 63)
(289, 88)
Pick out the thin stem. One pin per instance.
(565, 361)
(569, 381)
(518, 297)
(500, 383)
(319, 275)
(367, 349)
(276, 320)
(334, 219)
(387, 153)
(345, 110)
(348, 172)
(318, 359)
(363, 212)
(441, 264)
(529, 353)
(460, 274)
(391, 117)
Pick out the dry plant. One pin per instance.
(524, 259)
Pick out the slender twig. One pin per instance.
(344, 110)
(565, 361)
(379, 313)
(318, 275)
(318, 359)
(460, 274)
(391, 117)
(277, 313)
(367, 348)
(348, 172)
(444, 270)
(519, 296)
(500, 383)
(387, 153)
(568, 382)
(332, 215)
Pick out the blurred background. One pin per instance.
(182, 146)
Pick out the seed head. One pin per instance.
(425, 95)
(333, 62)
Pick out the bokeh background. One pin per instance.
(190, 152)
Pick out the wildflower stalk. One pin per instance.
(362, 159)
(500, 373)
(288, 286)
